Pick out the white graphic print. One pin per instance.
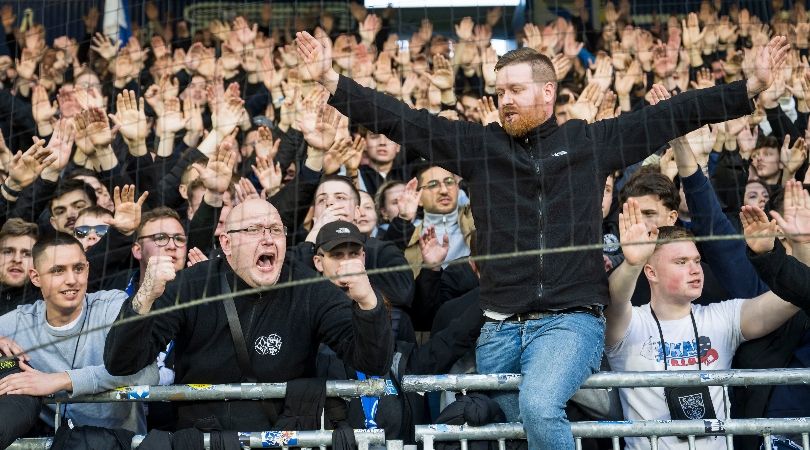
(268, 345)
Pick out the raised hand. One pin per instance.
(319, 134)
(268, 174)
(795, 220)
(24, 168)
(433, 251)
(127, 211)
(61, 145)
(316, 58)
(369, 28)
(245, 190)
(442, 76)
(105, 47)
(171, 120)
(130, 119)
(41, 107)
(265, 146)
(488, 111)
(759, 231)
(793, 157)
(408, 201)
(587, 105)
(97, 127)
(769, 60)
(216, 175)
(334, 157)
(638, 243)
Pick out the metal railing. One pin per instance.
(257, 439)
(496, 382)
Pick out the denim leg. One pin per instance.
(559, 353)
(498, 351)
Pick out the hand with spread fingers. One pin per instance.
(127, 215)
(759, 231)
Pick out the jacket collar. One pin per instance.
(542, 131)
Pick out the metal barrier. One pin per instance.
(652, 429)
(500, 382)
(258, 439)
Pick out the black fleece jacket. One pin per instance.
(542, 191)
(282, 329)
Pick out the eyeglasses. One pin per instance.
(434, 184)
(258, 230)
(83, 230)
(162, 239)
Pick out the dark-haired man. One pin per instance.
(536, 185)
(70, 198)
(52, 328)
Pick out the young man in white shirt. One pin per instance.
(694, 337)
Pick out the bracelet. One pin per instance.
(10, 191)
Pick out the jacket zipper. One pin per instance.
(540, 236)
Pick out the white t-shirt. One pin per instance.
(640, 350)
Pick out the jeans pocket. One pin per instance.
(488, 332)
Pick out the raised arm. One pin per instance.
(637, 134)
(633, 234)
(765, 313)
(455, 145)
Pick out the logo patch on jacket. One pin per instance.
(268, 345)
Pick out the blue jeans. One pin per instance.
(555, 355)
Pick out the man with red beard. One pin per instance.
(17, 237)
(534, 186)
(257, 334)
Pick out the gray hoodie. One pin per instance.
(27, 326)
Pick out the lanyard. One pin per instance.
(661, 335)
(369, 405)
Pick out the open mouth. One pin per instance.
(266, 262)
(695, 283)
(70, 293)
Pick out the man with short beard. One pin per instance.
(17, 237)
(534, 186)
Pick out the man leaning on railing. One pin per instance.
(670, 333)
(258, 333)
(61, 353)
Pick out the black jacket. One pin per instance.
(542, 191)
(398, 414)
(12, 297)
(787, 277)
(282, 329)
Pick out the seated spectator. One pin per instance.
(17, 238)
(339, 250)
(671, 333)
(284, 326)
(92, 225)
(60, 317)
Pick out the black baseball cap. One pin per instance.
(336, 233)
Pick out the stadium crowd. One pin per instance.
(273, 168)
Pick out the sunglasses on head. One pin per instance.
(83, 230)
